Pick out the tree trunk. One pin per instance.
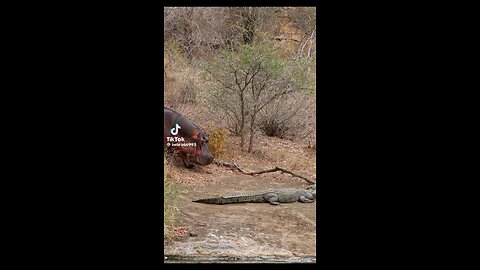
(242, 122)
(252, 128)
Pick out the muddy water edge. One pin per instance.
(243, 233)
(228, 259)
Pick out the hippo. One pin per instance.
(185, 138)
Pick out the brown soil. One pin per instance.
(250, 229)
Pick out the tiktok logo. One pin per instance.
(174, 131)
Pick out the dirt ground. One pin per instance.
(247, 229)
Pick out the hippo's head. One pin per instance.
(203, 155)
(199, 153)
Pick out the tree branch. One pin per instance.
(234, 165)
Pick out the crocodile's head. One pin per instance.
(313, 190)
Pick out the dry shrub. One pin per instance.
(180, 76)
(217, 141)
(290, 117)
(275, 128)
(187, 93)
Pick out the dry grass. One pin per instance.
(270, 151)
(169, 195)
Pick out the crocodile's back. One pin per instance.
(233, 199)
(287, 195)
(284, 195)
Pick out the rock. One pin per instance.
(192, 233)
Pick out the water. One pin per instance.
(232, 259)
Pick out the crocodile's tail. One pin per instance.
(217, 200)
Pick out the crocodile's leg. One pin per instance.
(305, 200)
(273, 202)
(272, 199)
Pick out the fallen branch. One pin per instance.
(234, 165)
(223, 163)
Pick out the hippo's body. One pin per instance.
(184, 137)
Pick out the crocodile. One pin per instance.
(272, 196)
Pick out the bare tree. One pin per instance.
(245, 82)
(206, 30)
